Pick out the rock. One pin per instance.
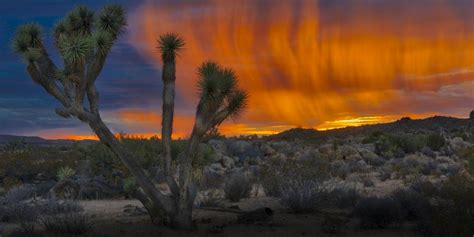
(135, 210)
(213, 178)
(218, 146)
(228, 162)
(243, 149)
(216, 167)
(216, 157)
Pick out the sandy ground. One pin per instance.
(111, 220)
(119, 218)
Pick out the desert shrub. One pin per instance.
(10, 182)
(26, 164)
(435, 141)
(276, 171)
(395, 145)
(429, 167)
(376, 212)
(409, 143)
(130, 186)
(424, 187)
(344, 196)
(468, 155)
(357, 166)
(64, 217)
(414, 205)
(453, 214)
(23, 214)
(385, 147)
(209, 198)
(302, 196)
(20, 193)
(340, 169)
(373, 137)
(75, 223)
(272, 187)
(64, 173)
(446, 222)
(238, 186)
(384, 172)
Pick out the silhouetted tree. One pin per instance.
(84, 41)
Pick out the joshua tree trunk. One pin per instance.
(169, 78)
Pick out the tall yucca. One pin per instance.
(169, 45)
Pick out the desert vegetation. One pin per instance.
(411, 177)
(348, 180)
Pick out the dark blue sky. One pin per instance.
(25, 108)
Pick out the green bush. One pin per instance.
(435, 141)
(468, 155)
(396, 145)
(130, 186)
(65, 172)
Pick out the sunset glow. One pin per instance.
(320, 64)
(305, 65)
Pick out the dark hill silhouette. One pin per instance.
(39, 141)
(432, 124)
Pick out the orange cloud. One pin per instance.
(304, 70)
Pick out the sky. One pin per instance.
(305, 63)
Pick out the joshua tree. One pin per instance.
(84, 41)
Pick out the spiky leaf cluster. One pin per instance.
(75, 50)
(169, 45)
(28, 41)
(218, 90)
(112, 20)
(81, 32)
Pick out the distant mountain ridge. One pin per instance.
(436, 123)
(35, 140)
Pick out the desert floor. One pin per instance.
(118, 218)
